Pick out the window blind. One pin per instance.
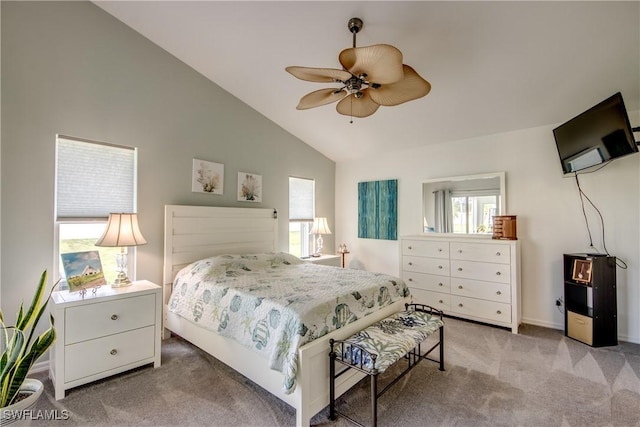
(93, 179)
(301, 196)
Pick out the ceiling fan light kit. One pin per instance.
(371, 76)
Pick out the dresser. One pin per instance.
(104, 333)
(472, 278)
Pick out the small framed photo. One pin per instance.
(83, 270)
(249, 187)
(582, 270)
(208, 177)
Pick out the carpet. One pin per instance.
(493, 378)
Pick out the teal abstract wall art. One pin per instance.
(378, 210)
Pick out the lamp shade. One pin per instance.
(122, 230)
(320, 226)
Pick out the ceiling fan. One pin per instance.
(371, 76)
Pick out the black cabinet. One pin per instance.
(590, 299)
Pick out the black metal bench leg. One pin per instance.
(374, 399)
(332, 383)
(442, 348)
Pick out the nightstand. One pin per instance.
(332, 260)
(104, 333)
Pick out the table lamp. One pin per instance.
(122, 231)
(319, 227)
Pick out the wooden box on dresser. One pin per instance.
(475, 278)
(104, 333)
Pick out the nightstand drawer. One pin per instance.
(103, 354)
(107, 318)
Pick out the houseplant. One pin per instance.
(20, 350)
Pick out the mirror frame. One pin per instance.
(503, 199)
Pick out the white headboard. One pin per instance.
(196, 232)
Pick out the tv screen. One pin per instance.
(600, 134)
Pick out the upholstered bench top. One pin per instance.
(389, 339)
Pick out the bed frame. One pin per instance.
(196, 232)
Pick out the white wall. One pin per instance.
(73, 69)
(550, 220)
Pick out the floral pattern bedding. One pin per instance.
(274, 303)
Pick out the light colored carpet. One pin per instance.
(493, 378)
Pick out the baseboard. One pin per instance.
(40, 367)
(560, 327)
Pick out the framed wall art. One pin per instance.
(249, 187)
(83, 270)
(582, 270)
(378, 209)
(207, 177)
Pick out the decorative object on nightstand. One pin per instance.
(122, 231)
(343, 251)
(319, 227)
(112, 331)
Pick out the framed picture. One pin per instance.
(83, 270)
(378, 210)
(582, 270)
(208, 177)
(249, 187)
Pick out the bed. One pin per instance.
(197, 233)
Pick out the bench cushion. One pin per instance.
(390, 338)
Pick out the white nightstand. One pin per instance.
(102, 334)
(332, 260)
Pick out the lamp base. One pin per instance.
(121, 281)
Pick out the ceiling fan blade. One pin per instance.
(357, 107)
(411, 87)
(381, 63)
(319, 75)
(320, 97)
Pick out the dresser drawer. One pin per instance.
(428, 248)
(478, 308)
(491, 291)
(427, 282)
(500, 273)
(110, 317)
(434, 299)
(425, 265)
(103, 354)
(482, 252)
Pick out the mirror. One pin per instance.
(463, 204)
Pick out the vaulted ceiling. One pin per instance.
(493, 66)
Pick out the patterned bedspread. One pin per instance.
(274, 303)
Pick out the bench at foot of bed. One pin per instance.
(380, 345)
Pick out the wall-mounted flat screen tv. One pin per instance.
(600, 134)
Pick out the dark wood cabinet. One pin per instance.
(590, 299)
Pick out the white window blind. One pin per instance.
(301, 196)
(93, 179)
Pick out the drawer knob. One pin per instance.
(498, 293)
(459, 268)
(440, 267)
(410, 279)
(459, 286)
(441, 302)
(498, 273)
(439, 249)
(440, 284)
(410, 263)
(459, 251)
(497, 253)
(113, 352)
(460, 305)
(410, 247)
(499, 312)
(114, 317)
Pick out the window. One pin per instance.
(473, 212)
(301, 213)
(93, 179)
